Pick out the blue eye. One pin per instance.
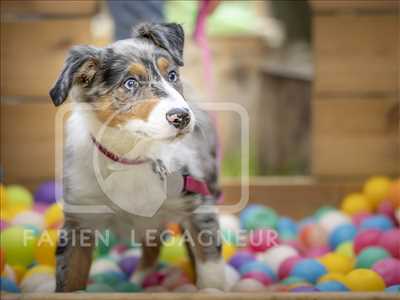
(131, 84)
(172, 76)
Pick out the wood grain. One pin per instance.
(341, 5)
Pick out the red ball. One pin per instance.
(263, 239)
(260, 277)
(365, 238)
(287, 265)
(390, 240)
(389, 269)
(153, 279)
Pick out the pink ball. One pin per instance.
(263, 239)
(260, 277)
(286, 266)
(40, 207)
(365, 238)
(390, 240)
(389, 269)
(387, 208)
(317, 251)
(359, 217)
(3, 224)
(153, 279)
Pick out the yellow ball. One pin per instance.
(3, 197)
(53, 215)
(39, 269)
(345, 248)
(46, 247)
(376, 189)
(337, 263)
(228, 250)
(10, 212)
(365, 280)
(340, 277)
(18, 195)
(19, 272)
(355, 203)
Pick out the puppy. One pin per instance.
(137, 156)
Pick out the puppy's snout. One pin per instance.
(178, 117)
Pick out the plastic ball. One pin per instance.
(339, 277)
(187, 269)
(358, 218)
(262, 239)
(376, 189)
(387, 209)
(355, 203)
(99, 288)
(10, 212)
(322, 211)
(9, 273)
(317, 251)
(265, 217)
(389, 269)
(366, 238)
(20, 272)
(129, 264)
(286, 224)
(7, 285)
(257, 266)
(331, 286)
(173, 250)
(39, 269)
(333, 219)
(394, 193)
(228, 250)
(28, 218)
(390, 240)
(19, 245)
(364, 280)
(110, 278)
(287, 265)
(153, 279)
(3, 197)
(231, 275)
(369, 256)
(53, 216)
(346, 249)
(313, 235)
(18, 196)
(47, 192)
(259, 276)
(248, 285)
(337, 263)
(342, 233)
(230, 227)
(381, 222)
(274, 256)
(36, 277)
(308, 269)
(104, 265)
(393, 289)
(240, 258)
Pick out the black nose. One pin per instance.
(179, 118)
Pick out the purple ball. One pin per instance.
(47, 192)
(240, 258)
(128, 264)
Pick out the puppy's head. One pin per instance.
(132, 84)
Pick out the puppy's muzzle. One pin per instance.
(178, 117)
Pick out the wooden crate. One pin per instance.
(48, 8)
(358, 5)
(33, 52)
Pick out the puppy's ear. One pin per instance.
(80, 68)
(169, 36)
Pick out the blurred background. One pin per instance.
(319, 79)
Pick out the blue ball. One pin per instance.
(393, 289)
(7, 285)
(331, 286)
(285, 224)
(380, 222)
(342, 233)
(257, 266)
(308, 269)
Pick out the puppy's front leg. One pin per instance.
(74, 258)
(206, 247)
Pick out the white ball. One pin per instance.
(274, 256)
(231, 222)
(46, 287)
(34, 282)
(248, 285)
(29, 218)
(333, 219)
(231, 276)
(103, 265)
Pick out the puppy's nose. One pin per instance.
(178, 117)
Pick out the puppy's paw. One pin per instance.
(159, 168)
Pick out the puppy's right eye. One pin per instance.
(131, 84)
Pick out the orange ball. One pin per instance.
(2, 260)
(394, 193)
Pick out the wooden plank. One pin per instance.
(356, 54)
(48, 8)
(340, 5)
(205, 296)
(33, 52)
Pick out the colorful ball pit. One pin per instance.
(354, 249)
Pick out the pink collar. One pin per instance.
(190, 184)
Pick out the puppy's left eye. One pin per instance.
(172, 76)
(131, 84)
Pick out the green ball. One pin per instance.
(173, 250)
(369, 256)
(109, 278)
(322, 211)
(287, 236)
(17, 195)
(262, 218)
(128, 287)
(99, 288)
(104, 246)
(19, 244)
(292, 280)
